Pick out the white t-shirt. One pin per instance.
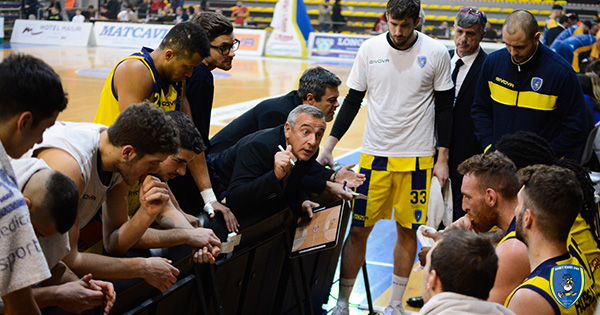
(55, 247)
(81, 141)
(22, 262)
(78, 19)
(400, 85)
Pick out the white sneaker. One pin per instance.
(340, 310)
(394, 310)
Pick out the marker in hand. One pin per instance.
(291, 160)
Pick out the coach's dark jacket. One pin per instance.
(464, 143)
(246, 169)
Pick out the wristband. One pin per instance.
(208, 195)
(334, 176)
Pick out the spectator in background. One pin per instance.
(180, 15)
(30, 8)
(337, 19)
(325, 16)
(113, 9)
(53, 3)
(552, 21)
(90, 13)
(490, 32)
(157, 4)
(442, 30)
(381, 25)
(240, 13)
(459, 274)
(563, 24)
(54, 14)
(590, 83)
(127, 15)
(577, 28)
(78, 17)
(104, 13)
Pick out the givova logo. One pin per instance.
(375, 61)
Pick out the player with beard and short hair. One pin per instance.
(561, 280)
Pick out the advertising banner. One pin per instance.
(252, 42)
(59, 33)
(291, 26)
(129, 35)
(338, 46)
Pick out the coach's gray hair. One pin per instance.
(466, 20)
(307, 109)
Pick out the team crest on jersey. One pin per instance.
(567, 283)
(536, 83)
(418, 215)
(422, 61)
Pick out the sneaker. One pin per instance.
(340, 310)
(394, 310)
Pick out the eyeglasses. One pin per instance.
(225, 49)
(474, 12)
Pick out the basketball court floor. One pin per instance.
(252, 79)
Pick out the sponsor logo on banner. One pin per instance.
(252, 42)
(129, 35)
(51, 32)
(335, 45)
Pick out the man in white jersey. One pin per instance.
(103, 162)
(410, 96)
(31, 96)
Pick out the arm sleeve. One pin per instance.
(199, 93)
(347, 113)
(443, 116)
(253, 178)
(481, 110)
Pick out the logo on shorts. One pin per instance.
(567, 284)
(422, 61)
(536, 83)
(418, 214)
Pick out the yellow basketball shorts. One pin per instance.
(398, 185)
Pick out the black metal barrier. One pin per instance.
(258, 277)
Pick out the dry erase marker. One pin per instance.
(291, 161)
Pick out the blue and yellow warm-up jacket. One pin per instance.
(541, 95)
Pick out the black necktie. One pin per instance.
(459, 63)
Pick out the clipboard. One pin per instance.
(319, 233)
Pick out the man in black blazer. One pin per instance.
(467, 59)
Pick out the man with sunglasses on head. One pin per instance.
(467, 59)
(195, 188)
(527, 86)
(410, 96)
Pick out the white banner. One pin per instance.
(252, 42)
(1, 29)
(129, 35)
(286, 39)
(51, 33)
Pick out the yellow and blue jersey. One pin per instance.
(167, 96)
(510, 232)
(565, 282)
